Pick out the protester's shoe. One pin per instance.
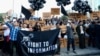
(3, 54)
(82, 47)
(74, 52)
(67, 52)
(58, 53)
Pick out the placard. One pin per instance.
(46, 15)
(55, 11)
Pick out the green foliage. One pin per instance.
(1, 19)
(99, 7)
(64, 18)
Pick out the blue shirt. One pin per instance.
(13, 31)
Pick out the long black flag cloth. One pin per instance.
(26, 12)
(38, 43)
(63, 11)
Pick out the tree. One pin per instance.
(1, 19)
(99, 7)
(64, 17)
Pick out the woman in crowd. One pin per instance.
(2, 39)
(63, 29)
(6, 45)
(30, 27)
(24, 27)
(37, 27)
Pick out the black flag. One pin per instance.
(27, 39)
(26, 12)
(63, 11)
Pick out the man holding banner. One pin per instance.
(14, 27)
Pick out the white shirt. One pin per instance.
(87, 25)
(82, 31)
(6, 31)
(68, 25)
(25, 29)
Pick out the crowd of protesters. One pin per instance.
(83, 28)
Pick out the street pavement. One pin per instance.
(89, 51)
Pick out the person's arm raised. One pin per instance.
(9, 24)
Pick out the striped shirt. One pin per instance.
(13, 31)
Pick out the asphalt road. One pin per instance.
(89, 51)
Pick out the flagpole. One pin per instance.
(21, 9)
(13, 6)
(12, 10)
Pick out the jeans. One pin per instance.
(70, 42)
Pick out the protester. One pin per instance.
(37, 27)
(91, 31)
(25, 27)
(62, 34)
(97, 34)
(14, 27)
(67, 31)
(63, 29)
(1, 38)
(6, 45)
(80, 29)
(30, 27)
(70, 38)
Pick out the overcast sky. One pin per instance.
(6, 5)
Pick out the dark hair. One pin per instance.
(98, 22)
(79, 22)
(93, 22)
(61, 23)
(84, 21)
